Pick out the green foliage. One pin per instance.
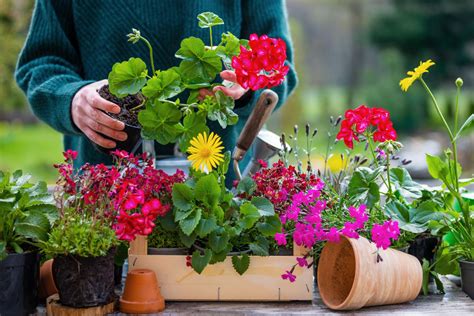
(160, 121)
(209, 19)
(364, 186)
(127, 77)
(27, 212)
(163, 85)
(241, 264)
(414, 219)
(80, 234)
(209, 216)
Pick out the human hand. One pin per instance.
(235, 91)
(88, 110)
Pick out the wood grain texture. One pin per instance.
(54, 308)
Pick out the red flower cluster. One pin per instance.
(128, 196)
(357, 122)
(263, 65)
(279, 184)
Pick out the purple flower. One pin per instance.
(382, 234)
(280, 238)
(349, 230)
(333, 235)
(289, 276)
(302, 262)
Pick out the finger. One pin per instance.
(104, 119)
(96, 101)
(104, 130)
(99, 140)
(231, 92)
(229, 75)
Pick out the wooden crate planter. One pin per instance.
(220, 282)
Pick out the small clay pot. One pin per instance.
(47, 287)
(141, 294)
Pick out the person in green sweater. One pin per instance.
(72, 45)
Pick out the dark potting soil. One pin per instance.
(84, 281)
(126, 104)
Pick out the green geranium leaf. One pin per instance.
(163, 85)
(363, 186)
(187, 241)
(246, 185)
(159, 121)
(127, 77)
(249, 215)
(193, 124)
(208, 190)
(260, 246)
(221, 110)
(182, 196)
(199, 262)
(218, 242)
(206, 226)
(415, 220)
(229, 47)
(402, 182)
(189, 224)
(199, 65)
(209, 19)
(264, 206)
(35, 226)
(270, 227)
(241, 264)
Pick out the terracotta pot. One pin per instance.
(47, 287)
(349, 276)
(141, 294)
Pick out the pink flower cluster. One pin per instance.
(128, 196)
(383, 234)
(279, 184)
(263, 65)
(357, 121)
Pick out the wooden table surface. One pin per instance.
(453, 303)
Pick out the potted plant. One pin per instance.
(458, 221)
(150, 97)
(99, 207)
(26, 214)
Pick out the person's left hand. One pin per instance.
(235, 91)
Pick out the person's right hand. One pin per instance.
(87, 110)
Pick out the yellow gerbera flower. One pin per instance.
(205, 152)
(415, 74)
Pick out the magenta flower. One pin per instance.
(383, 234)
(302, 262)
(280, 238)
(289, 276)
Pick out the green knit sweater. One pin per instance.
(72, 43)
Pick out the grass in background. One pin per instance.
(32, 148)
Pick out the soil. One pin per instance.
(126, 104)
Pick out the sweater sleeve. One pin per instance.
(268, 17)
(49, 66)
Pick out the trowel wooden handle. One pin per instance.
(264, 107)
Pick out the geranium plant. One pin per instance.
(164, 117)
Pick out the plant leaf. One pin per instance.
(187, 241)
(218, 242)
(189, 224)
(198, 65)
(264, 206)
(270, 227)
(182, 196)
(246, 185)
(249, 215)
(208, 190)
(3, 250)
(206, 226)
(402, 182)
(159, 122)
(260, 246)
(199, 262)
(209, 19)
(35, 226)
(127, 77)
(193, 124)
(241, 264)
(363, 186)
(464, 126)
(163, 85)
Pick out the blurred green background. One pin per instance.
(347, 53)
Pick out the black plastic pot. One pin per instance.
(83, 281)
(423, 248)
(168, 251)
(467, 277)
(19, 278)
(134, 135)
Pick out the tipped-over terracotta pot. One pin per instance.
(47, 287)
(141, 294)
(349, 276)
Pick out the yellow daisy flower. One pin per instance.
(205, 152)
(415, 74)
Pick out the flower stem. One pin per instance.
(151, 54)
(210, 35)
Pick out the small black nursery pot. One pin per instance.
(19, 277)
